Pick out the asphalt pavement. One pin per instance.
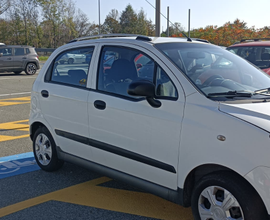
(72, 192)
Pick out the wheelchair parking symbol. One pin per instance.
(10, 168)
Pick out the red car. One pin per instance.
(256, 51)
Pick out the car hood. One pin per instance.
(257, 114)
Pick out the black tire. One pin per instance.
(45, 155)
(247, 204)
(17, 72)
(31, 69)
(70, 61)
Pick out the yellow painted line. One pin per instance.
(21, 125)
(15, 101)
(15, 125)
(10, 138)
(89, 194)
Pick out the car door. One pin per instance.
(128, 134)
(6, 60)
(19, 58)
(63, 100)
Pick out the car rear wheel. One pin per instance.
(225, 195)
(31, 69)
(44, 149)
(17, 72)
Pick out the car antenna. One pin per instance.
(182, 32)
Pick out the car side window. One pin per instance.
(18, 51)
(119, 66)
(71, 67)
(117, 70)
(6, 51)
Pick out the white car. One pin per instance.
(193, 126)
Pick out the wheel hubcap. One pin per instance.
(43, 149)
(31, 69)
(216, 203)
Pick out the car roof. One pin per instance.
(251, 44)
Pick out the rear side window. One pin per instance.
(71, 67)
(19, 51)
(6, 51)
(258, 55)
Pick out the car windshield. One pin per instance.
(216, 72)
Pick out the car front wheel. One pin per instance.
(225, 195)
(31, 69)
(44, 149)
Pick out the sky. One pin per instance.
(203, 12)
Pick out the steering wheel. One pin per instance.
(209, 81)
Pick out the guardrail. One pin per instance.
(44, 51)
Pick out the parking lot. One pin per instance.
(70, 193)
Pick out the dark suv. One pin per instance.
(256, 51)
(18, 58)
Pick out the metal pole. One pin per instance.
(157, 18)
(189, 23)
(168, 31)
(99, 16)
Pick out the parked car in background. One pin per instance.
(181, 118)
(18, 58)
(256, 51)
(74, 57)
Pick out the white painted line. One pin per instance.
(21, 93)
(27, 77)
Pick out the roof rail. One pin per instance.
(201, 40)
(139, 37)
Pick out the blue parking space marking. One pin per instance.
(17, 164)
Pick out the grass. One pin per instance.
(43, 58)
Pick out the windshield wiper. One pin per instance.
(265, 91)
(230, 94)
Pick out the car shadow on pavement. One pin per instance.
(13, 74)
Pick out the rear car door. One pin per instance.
(6, 60)
(126, 132)
(19, 58)
(63, 99)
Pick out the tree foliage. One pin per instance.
(229, 33)
(4, 5)
(52, 23)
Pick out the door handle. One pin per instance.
(24, 58)
(45, 93)
(100, 104)
(8, 58)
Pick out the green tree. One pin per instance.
(128, 21)
(111, 23)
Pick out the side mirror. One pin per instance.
(1, 54)
(146, 89)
